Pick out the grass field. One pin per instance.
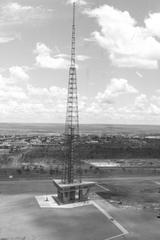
(135, 204)
(138, 192)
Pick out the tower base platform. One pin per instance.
(72, 192)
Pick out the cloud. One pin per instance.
(152, 24)
(28, 103)
(128, 44)
(155, 99)
(147, 106)
(20, 101)
(82, 58)
(15, 13)
(154, 110)
(6, 39)
(142, 111)
(45, 60)
(6, 36)
(18, 72)
(25, 102)
(115, 88)
(10, 92)
(141, 102)
(131, 62)
(78, 2)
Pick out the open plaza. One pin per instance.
(28, 212)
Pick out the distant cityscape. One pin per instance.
(125, 149)
(12, 142)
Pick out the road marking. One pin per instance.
(120, 235)
(117, 224)
(106, 189)
(158, 183)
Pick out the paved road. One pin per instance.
(91, 179)
(126, 178)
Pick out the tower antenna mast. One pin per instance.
(72, 162)
(70, 188)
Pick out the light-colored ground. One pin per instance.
(48, 201)
(22, 219)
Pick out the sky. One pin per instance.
(117, 58)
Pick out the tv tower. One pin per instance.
(72, 119)
(70, 188)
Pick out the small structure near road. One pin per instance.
(72, 192)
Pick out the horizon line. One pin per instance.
(121, 124)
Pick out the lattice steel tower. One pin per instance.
(70, 188)
(71, 162)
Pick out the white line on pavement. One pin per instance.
(158, 183)
(106, 189)
(117, 224)
(120, 235)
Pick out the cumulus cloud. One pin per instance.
(26, 102)
(147, 106)
(115, 88)
(152, 24)
(45, 59)
(154, 109)
(143, 110)
(12, 13)
(15, 13)
(128, 44)
(22, 101)
(9, 91)
(155, 99)
(141, 102)
(18, 72)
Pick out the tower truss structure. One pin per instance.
(71, 165)
(70, 188)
